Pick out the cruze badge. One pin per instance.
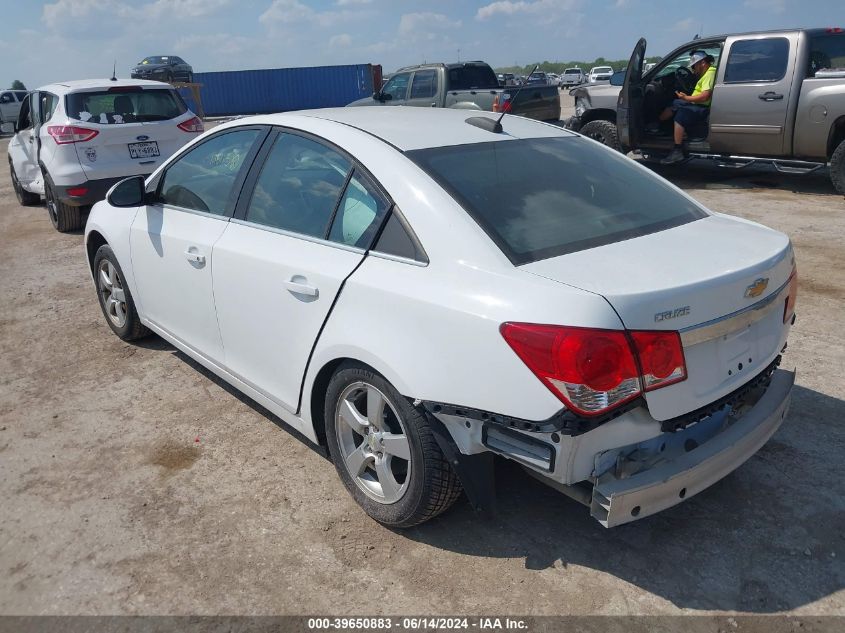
(757, 288)
(671, 314)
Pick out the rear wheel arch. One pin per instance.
(599, 114)
(836, 135)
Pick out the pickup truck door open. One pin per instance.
(752, 95)
(629, 111)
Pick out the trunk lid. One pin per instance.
(720, 281)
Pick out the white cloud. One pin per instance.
(295, 12)
(65, 14)
(341, 40)
(682, 25)
(349, 3)
(774, 6)
(547, 9)
(420, 23)
(621, 4)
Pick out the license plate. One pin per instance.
(143, 150)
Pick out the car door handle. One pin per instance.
(770, 96)
(192, 256)
(299, 288)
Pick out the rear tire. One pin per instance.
(115, 299)
(25, 198)
(65, 218)
(837, 168)
(367, 450)
(604, 132)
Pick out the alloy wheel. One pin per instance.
(373, 443)
(112, 294)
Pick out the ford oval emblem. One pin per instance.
(141, 138)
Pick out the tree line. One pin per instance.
(559, 67)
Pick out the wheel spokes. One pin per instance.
(397, 445)
(349, 414)
(357, 461)
(105, 279)
(389, 486)
(375, 408)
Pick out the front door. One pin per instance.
(629, 114)
(172, 238)
(23, 148)
(397, 89)
(282, 261)
(751, 96)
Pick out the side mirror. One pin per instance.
(129, 192)
(9, 127)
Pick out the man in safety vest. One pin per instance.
(689, 110)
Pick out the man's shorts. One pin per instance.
(689, 114)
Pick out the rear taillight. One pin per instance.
(502, 103)
(77, 192)
(64, 134)
(590, 371)
(193, 124)
(789, 307)
(661, 357)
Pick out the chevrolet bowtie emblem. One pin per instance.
(757, 288)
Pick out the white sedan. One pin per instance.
(420, 290)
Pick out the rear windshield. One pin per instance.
(469, 77)
(540, 198)
(571, 72)
(131, 106)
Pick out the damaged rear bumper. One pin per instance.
(616, 501)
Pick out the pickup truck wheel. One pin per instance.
(115, 299)
(604, 132)
(384, 451)
(25, 198)
(64, 217)
(837, 168)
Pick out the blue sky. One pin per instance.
(74, 39)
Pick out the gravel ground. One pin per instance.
(133, 482)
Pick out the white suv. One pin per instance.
(74, 140)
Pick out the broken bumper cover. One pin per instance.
(618, 501)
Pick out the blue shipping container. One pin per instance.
(280, 89)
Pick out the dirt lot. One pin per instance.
(134, 482)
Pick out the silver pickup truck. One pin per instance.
(779, 99)
(464, 85)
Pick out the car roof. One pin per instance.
(83, 85)
(408, 128)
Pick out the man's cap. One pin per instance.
(696, 57)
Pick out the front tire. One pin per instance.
(837, 168)
(384, 450)
(25, 198)
(64, 217)
(604, 132)
(115, 299)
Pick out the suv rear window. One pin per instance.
(469, 77)
(130, 106)
(540, 198)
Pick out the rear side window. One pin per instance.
(299, 186)
(826, 51)
(539, 198)
(130, 106)
(359, 213)
(469, 77)
(49, 102)
(757, 60)
(425, 84)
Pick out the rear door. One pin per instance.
(280, 264)
(171, 239)
(751, 96)
(423, 89)
(629, 112)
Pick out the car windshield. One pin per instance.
(469, 77)
(540, 198)
(603, 69)
(129, 106)
(157, 59)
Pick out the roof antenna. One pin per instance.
(496, 126)
(114, 72)
(513, 99)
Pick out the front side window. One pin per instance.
(359, 213)
(681, 60)
(204, 178)
(540, 198)
(397, 87)
(125, 106)
(425, 84)
(299, 186)
(7, 97)
(757, 60)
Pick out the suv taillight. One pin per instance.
(193, 124)
(593, 371)
(64, 134)
(789, 307)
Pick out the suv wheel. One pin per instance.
(63, 216)
(837, 168)
(384, 450)
(604, 132)
(25, 198)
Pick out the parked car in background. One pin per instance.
(554, 79)
(538, 78)
(74, 140)
(464, 86)
(10, 104)
(595, 109)
(532, 314)
(506, 79)
(600, 73)
(167, 68)
(572, 77)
